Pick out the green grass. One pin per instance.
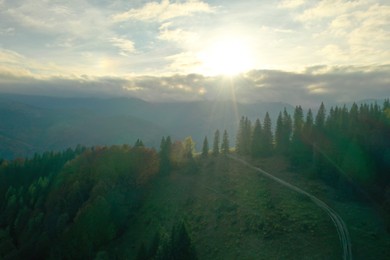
(232, 212)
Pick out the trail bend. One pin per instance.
(340, 225)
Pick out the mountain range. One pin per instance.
(35, 124)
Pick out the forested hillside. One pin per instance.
(347, 148)
(132, 202)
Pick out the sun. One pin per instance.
(227, 56)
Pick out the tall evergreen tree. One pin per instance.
(225, 143)
(299, 151)
(165, 155)
(320, 117)
(298, 122)
(267, 138)
(256, 139)
(216, 143)
(308, 127)
(283, 132)
(243, 140)
(205, 147)
(240, 136)
(139, 143)
(279, 133)
(288, 126)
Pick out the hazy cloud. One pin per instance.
(315, 84)
(291, 3)
(68, 39)
(163, 11)
(126, 46)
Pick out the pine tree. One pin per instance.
(240, 136)
(216, 143)
(267, 138)
(298, 122)
(205, 147)
(256, 139)
(287, 130)
(165, 155)
(279, 133)
(181, 245)
(139, 143)
(243, 141)
(320, 117)
(225, 143)
(283, 132)
(299, 151)
(308, 127)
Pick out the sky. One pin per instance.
(294, 51)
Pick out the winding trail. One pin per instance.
(337, 220)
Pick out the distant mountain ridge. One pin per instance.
(31, 124)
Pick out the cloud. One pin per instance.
(331, 84)
(348, 32)
(291, 3)
(126, 46)
(163, 11)
(179, 36)
(79, 18)
(329, 8)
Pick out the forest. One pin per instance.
(83, 202)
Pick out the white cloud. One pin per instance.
(329, 8)
(163, 11)
(126, 46)
(77, 18)
(291, 3)
(315, 84)
(333, 53)
(178, 35)
(349, 32)
(183, 62)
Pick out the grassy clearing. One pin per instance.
(365, 224)
(234, 213)
(231, 212)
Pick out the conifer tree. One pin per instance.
(320, 117)
(283, 132)
(267, 138)
(240, 136)
(243, 141)
(308, 127)
(216, 143)
(165, 154)
(279, 133)
(298, 122)
(287, 129)
(205, 147)
(225, 143)
(139, 143)
(256, 139)
(299, 151)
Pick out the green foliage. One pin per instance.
(243, 140)
(205, 147)
(256, 141)
(216, 143)
(165, 155)
(267, 140)
(77, 203)
(139, 143)
(225, 143)
(175, 246)
(189, 147)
